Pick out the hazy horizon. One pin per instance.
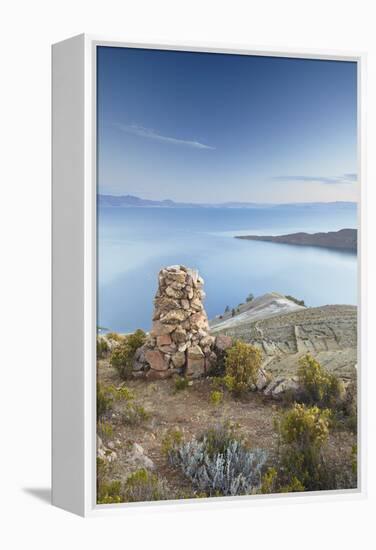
(163, 199)
(214, 128)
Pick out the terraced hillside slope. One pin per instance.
(329, 333)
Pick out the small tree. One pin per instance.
(227, 309)
(233, 312)
(250, 297)
(242, 364)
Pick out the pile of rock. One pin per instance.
(179, 340)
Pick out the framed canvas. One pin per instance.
(208, 288)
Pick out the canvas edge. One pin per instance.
(68, 380)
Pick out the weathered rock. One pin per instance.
(174, 316)
(178, 359)
(160, 328)
(138, 459)
(105, 453)
(195, 361)
(288, 385)
(179, 335)
(199, 320)
(262, 380)
(207, 340)
(164, 340)
(156, 360)
(173, 293)
(223, 342)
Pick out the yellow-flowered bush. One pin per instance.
(242, 364)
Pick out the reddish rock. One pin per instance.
(159, 329)
(156, 360)
(164, 340)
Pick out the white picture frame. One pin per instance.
(74, 276)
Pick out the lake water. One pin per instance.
(134, 243)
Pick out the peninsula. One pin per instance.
(344, 239)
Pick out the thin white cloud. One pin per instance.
(151, 134)
(344, 178)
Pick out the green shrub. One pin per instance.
(295, 486)
(269, 481)
(216, 397)
(114, 336)
(181, 383)
(250, 297)
(102, 347)
(350, 407)
(108, 492)
(105, 430)
(143, 486)
(303, 432)
(134, 414)
(242, 364)
(318, 385)
(104, 401)
(122, 355)
(305, 426)
(171, 441)
(130, 412)
(219, 438)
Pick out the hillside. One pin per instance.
(329, 333)
(262, 307)
(345, 239)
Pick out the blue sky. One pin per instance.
(213, 127)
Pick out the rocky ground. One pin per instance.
(191, 411)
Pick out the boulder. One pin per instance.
(138, 459)
(223, 342)
(262, 380)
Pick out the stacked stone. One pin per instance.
(179, 340)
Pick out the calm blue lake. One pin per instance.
(134, 243)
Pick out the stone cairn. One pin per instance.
(179, 341)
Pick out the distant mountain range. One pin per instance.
(131, 201)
